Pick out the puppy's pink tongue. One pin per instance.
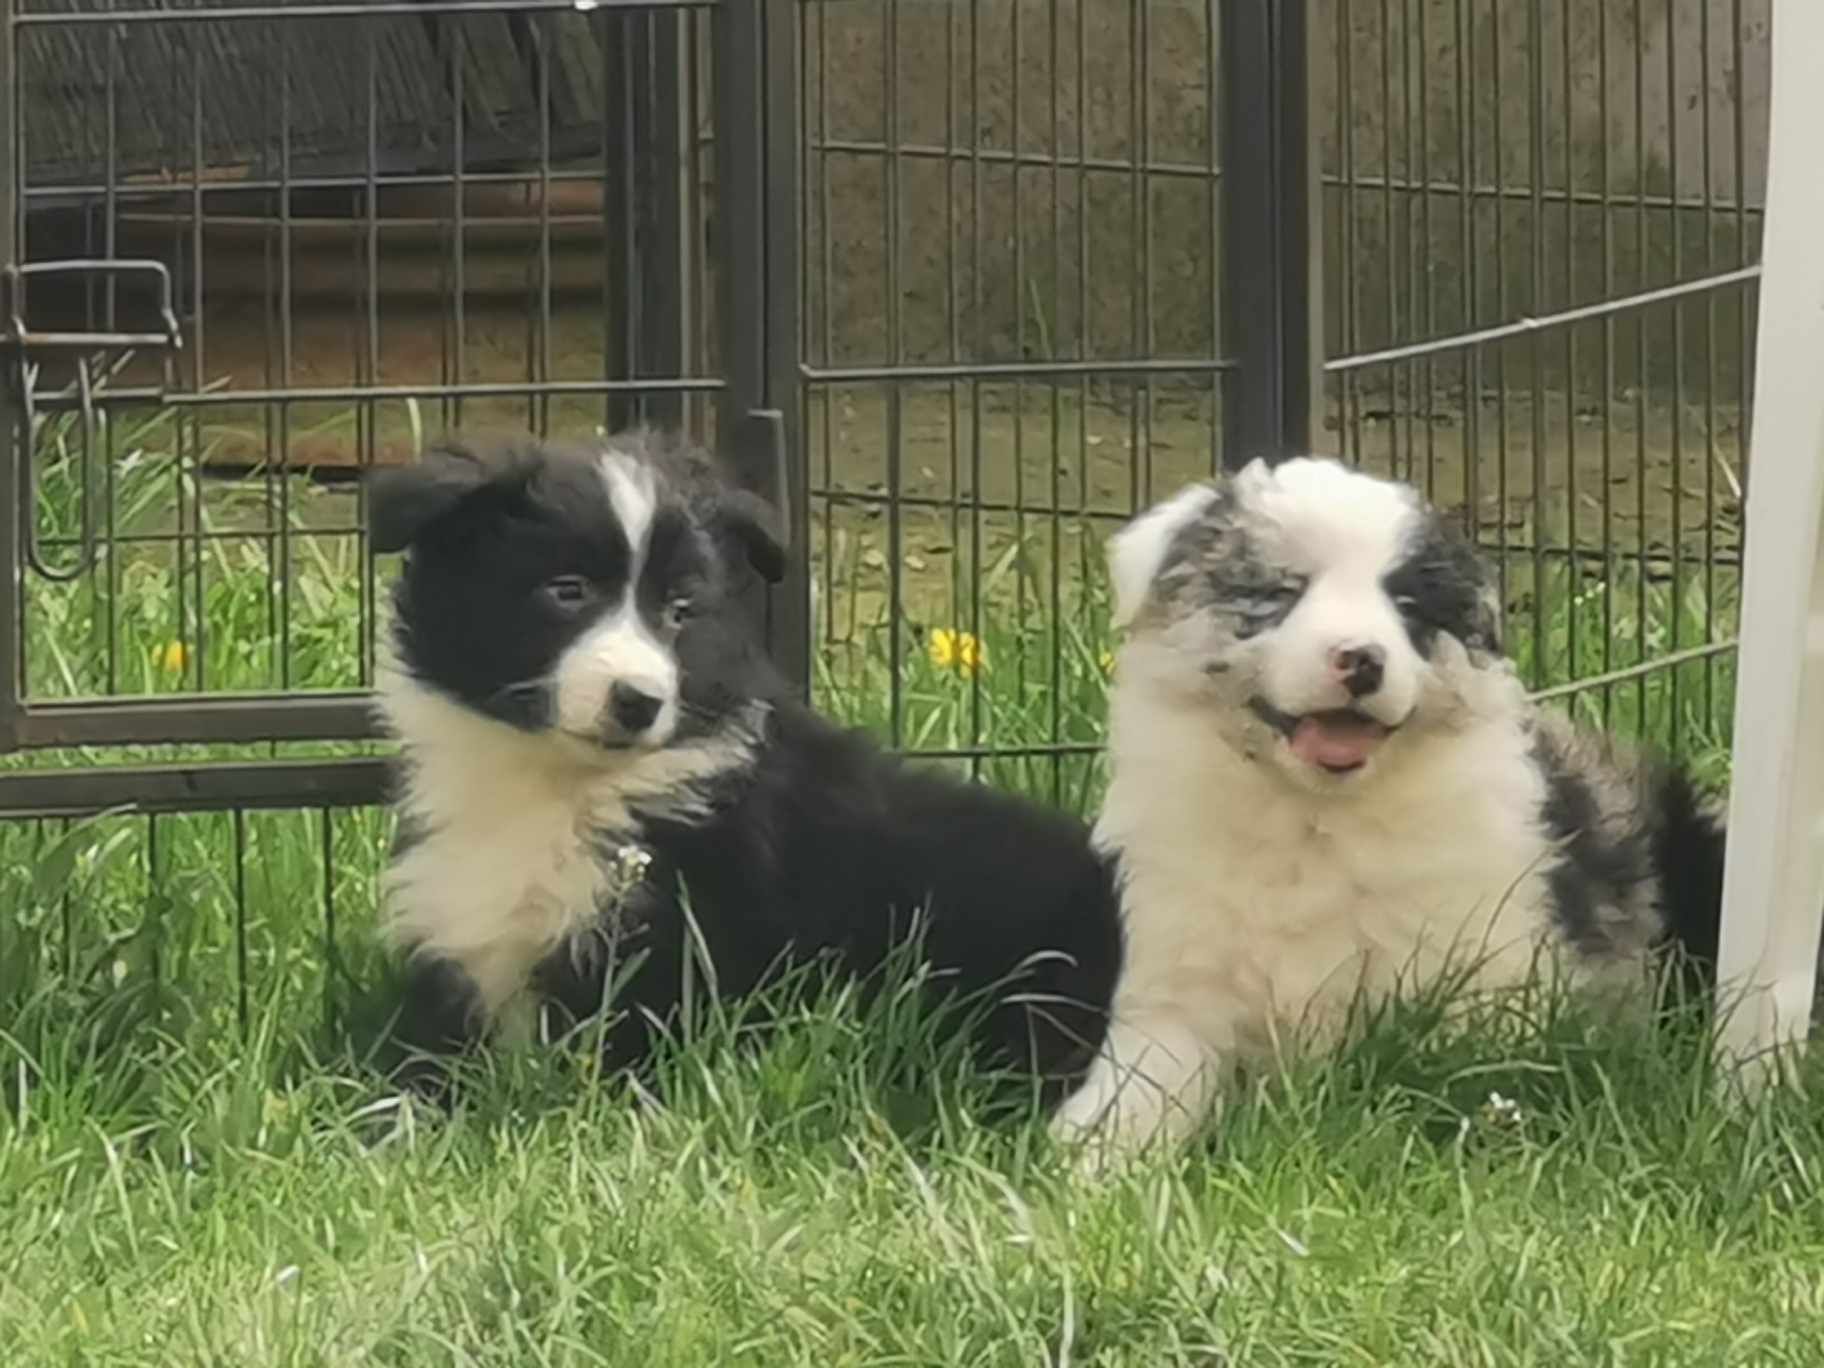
(1336, 740)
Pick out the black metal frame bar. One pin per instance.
(757, 191)
(220, 718)
(649, 286)
(359, 781)
(12, 212)
(1269, 279)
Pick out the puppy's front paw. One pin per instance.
(1153, 1087)
(1101, 1127)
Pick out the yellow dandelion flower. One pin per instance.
(171, 657)
(962, 652)
(1107, 661)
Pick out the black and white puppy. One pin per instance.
(591, 734)
(1327, 782)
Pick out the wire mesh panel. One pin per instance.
(365, 225)
(172, 928)
(246, 254)
(981, 291)
(1013, 315)
(968, 281)
(1541, 223)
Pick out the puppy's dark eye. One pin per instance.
(677, 611)
(568, 592)
(1421, 613)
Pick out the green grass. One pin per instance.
(801, 1204)
(199, 1164)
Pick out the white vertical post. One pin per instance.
(1773, 888)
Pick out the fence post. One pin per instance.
(1271, 258)
(789, 608)
(650, 305)
(11, 177)
(1773, 886)
(759, 301)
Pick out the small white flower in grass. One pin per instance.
(1501, 1111)
(1497, 1114)
(626, 871)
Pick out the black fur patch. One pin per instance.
(1442, 586)
(1688, 848)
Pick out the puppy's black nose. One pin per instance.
(1359, 668)
(632, 709)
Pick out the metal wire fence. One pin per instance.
(1542, 223)
(962, 283)
(250, 252)
(1015, 333)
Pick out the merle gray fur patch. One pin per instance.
(1214, 564)
(1602, 880)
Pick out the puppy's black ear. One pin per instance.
(747, 520)
(402, 501)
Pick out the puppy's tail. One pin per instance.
(1688, 844)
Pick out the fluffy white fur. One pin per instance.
(1260, 895)
(1135, 555)
(509, 866)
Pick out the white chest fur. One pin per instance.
(1254, 914)
(1252, 908)
(517, 829)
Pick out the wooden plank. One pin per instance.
(1773, 896)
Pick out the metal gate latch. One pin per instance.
(18, 341)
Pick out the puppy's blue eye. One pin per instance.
(1276, 600)
(568, 591)
(1259, 607)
